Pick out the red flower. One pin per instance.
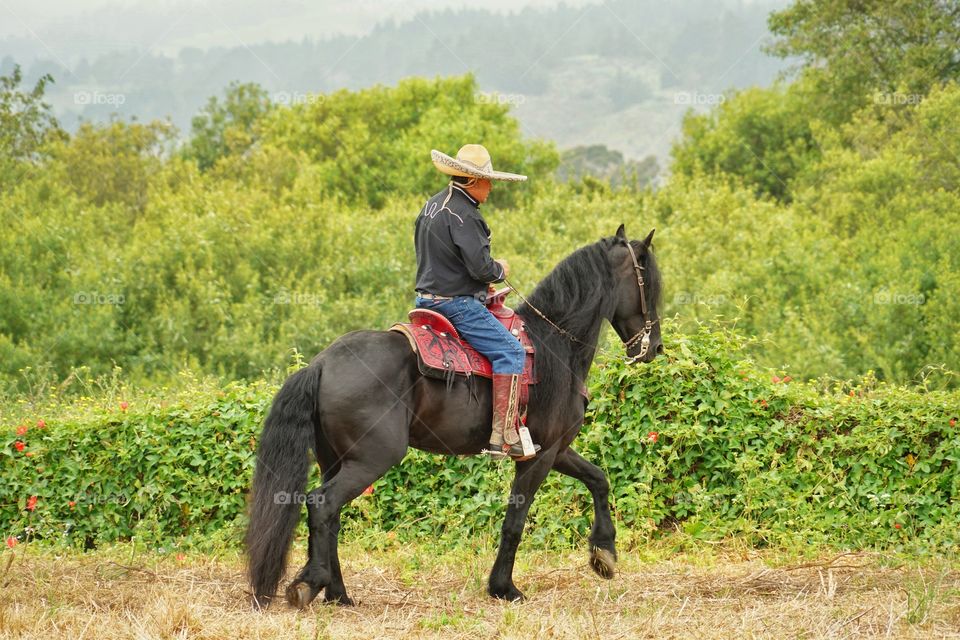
(653, 436)
(41, 424)
(18, 445)
(12, 542)
(953, 422)
(123, 406)
(180, 557)
(787, 378)
(368, 491)
(22, 430)
(31, 503)
(72, 504)
(775, 379)
(896, 525)
(29, 454)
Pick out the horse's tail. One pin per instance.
(280, 479)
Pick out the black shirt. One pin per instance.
(453, 246)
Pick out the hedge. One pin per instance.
(701, 441)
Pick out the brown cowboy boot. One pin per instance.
(504, 437)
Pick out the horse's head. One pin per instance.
(637, 292)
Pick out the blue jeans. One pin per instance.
(476, 325)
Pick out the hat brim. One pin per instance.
(453, 167)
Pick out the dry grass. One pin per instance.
(409, 592)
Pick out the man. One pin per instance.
(454, 271)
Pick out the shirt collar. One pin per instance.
(469, 197)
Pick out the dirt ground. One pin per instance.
(411, 592)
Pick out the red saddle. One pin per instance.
(443, 354)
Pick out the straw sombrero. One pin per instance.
(472, 161)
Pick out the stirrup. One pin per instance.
(515, 451)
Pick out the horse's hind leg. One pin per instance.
(603, 552)
(335, 591)
(349, 482)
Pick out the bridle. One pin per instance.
(642, 336)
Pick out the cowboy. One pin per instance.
(454, 273)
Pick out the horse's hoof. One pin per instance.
(603, 562)
(300, 595)
(510, 594)
(341, 599)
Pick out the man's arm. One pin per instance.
(471, 238)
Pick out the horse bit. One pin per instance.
(642, 336)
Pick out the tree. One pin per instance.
(26, 125)
(853, 48)
(608, 164)
(114, 162)
(761, 136)
(228, 127)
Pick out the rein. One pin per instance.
(642, 336)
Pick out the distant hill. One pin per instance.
(599, 161)
(619, 74)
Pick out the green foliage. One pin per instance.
(26, 125)
(227, 128)
(854, 267)
(702, 440)
(761, 136)
(851, 48)
(739, 451)
(148, 472)
(112, 164)
(363, 146)
(120, 253)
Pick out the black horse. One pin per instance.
(362, 401)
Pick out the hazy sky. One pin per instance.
(67, 28)
(120, 57)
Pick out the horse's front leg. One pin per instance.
(603, 552)
(529, 476)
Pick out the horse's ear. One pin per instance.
(648, 239)
(621, 233)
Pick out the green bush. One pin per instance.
(701, 439)
(286, 226)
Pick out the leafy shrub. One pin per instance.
(701, 439)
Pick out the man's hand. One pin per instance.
(506, 267)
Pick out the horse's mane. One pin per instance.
(576, 295)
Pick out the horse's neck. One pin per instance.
(584, 355)
(584, 348)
